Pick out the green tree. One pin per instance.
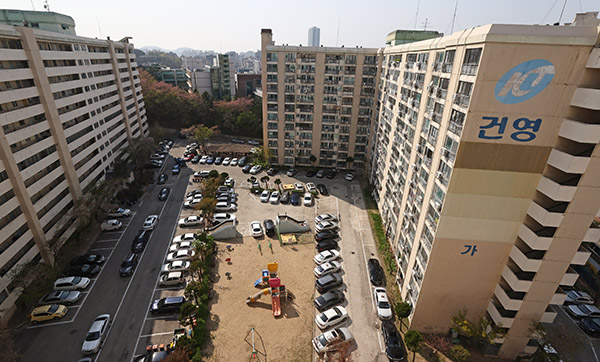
(265, 179)
(313, 159)
(403, 310)
(207, 208)
(213, 174)
(278, 183)
(202, 135)
(459, 354)
(414, 342)
(138, 151)
(349, 160)
(248, 124)
(187, 313)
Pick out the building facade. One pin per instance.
(221, 78)
(486, 171)
(201, 81)
(247, 84)
(181, 78)
(68, 106)
(314, 37)
(41, 20)
(317, 102)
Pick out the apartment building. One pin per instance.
(486, 170)
(221, 78)
(68, 106)
(317, 101)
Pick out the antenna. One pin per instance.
(337, 38)
(99, 30)
(417, 14)
(46, 6)
(33, 7)
(425, 23)
(454, 17)
(562, 11)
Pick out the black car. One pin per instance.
(321, 173)
(242, 161)
(393, 345)
(329, 299)
(311, 173)
(140, 240)
(326, 245)
(152, 164)
(331, 174)
(89, 259)
(237, 140)
(162, 178)
(246, 169)
(322, 189)
(196, 159)
(326, 235)
(164, 193)
(167, 305)
(591, 326)
(285, 197)
(218, 160)
(328, 282)
(193, 193)
(84, 270)
(272, 171)
(295, 199)
(291, 172)
(128, 265)
(375, 272)
(180, 161)
(269, 227)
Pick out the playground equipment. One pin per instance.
(271, 284)
(255, 340)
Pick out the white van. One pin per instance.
(109, 225)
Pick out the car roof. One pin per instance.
(174, 275)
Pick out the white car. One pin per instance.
(255, 169)
(325, 217)
(118, 212)
(226, 161)
(349, 176)
(190, 221)
(299, 186)
(578, 297)
(311, 187)
(176, 266)
(157, 156)
(223, 216)
(331, 317)
(71, 283)
(332, 339)
(110, 225)
(234, 162)
(183, 254)
(95, 336)
(230, 182)
(308, 199)
(203, 160)
(325, 225)
(327, 268)
(184, 245)
(225, 206)
(256, 229)
(185, 237)
(169, 279)
(384, 309)
(150, 222)
(264, 196)
(274, 199)
(326, 256)
(190, 204)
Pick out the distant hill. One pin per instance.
(146, 49)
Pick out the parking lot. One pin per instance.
(573, 342)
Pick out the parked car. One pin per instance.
(234, 162)
(176, 169)
(110, 225)
(583, 310)
(325, 217)
(323, 189)
(71, 283)
(193, 193)
(256, 229)
(285, 197)
(156, 156)
(255, 169)
(311, 187)
(190, 221)
(118, 212)
(66, 297)
(171, 279)
(183, 254)
(326, 245)
(97, 259)
(153, 164)
(291, 172)
(246, 168)
(311, 173)
(328, 299)
(129, 264)
(195, 159)
(326, 268)
(295, 199)
(230, 182)
(162, 178)
(328, 282)
(175, 247)
(218, 160)
(326, 256)
(320, 173)
(210, 160)
(375, 272)
(47, 312)
(164, 193)
(203, 160)
(332, 339)
(237, 140)
(326, 225)
(578, 297)
(269, 227)
(141, 239)
(254, 143)
(190, 204)
(95, 336)
(226, 161)
(272, 171)
(591, 326)
(393, 345)
(242, 161)
(225, 206)
(222, 217)
(264, 196)
(150, 222)
(299, 186)
(180, 161)
(201, 174)
(382, 303)
(331, 317)
(167, 305)
(331, 174)
(185, 237)
(274, 199)
(176, 266)
(84, 270)
(350, 176)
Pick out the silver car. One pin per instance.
(171, 279)
(60, 297)
(95, 336)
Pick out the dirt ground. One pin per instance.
(286, 338)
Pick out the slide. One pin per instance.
(276, 303)
(255, 297)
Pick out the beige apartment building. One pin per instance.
(486, 170)
(68, 106)
(317, 101)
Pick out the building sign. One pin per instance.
(521, 129)
(524, 81)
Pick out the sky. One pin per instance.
(235, 25)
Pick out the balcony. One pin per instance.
(581, 256)
(509, 299)
(539, 240)
(569, 278)
(547, 217)
(592, 235)
(518, 280)
(594, 59)
(568, 163)
(527, 259)
(586, 98)
(580, 132)
(462, 99)
(548, 316)
(501, 317)
(556, 191)
(559, 297)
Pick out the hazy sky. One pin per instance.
(235, 25)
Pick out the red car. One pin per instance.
(188, 157)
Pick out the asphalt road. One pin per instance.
(577, 346)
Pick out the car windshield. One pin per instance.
(323, 317)
(384, 305)
(125, 264)
(573, 294)
(322, 340)
(92, 336)
(53, 308)
(76, 280)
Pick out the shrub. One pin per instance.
(459, 354)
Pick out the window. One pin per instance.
(471, 61)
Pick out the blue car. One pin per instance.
(176, 169)
(210, 160)
(295, 199)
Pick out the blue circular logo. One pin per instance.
(524, 81)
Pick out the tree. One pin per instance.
(313, 159)
(459, 354)
(213, 174)
(265, 179)
(202, 135)
(248, 124)
(251, 179)
(138, 150)
(207, 208)
(481, 331)
(180, 354)
(277, 182)
(349, 160)
(414, 342)
(187, 312)
(403, 310)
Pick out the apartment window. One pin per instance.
(271, 57)
(13, 64)
(15, 259)
(35, 158)
(471, 61)
(10, 43)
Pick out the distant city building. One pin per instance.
(42, 20)
(221, 78)
(176, 77)
(398, 37)
(314, 37)
(247, 84)
(201, 81)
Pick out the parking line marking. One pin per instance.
(107, 241)
(160, 289)
(51, 324)
(156, 334)
(100, 249)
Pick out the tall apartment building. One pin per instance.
(314, 37)
(68, 106)
(486, 170)
(221, 78)
(41, 20)
(317, 101)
